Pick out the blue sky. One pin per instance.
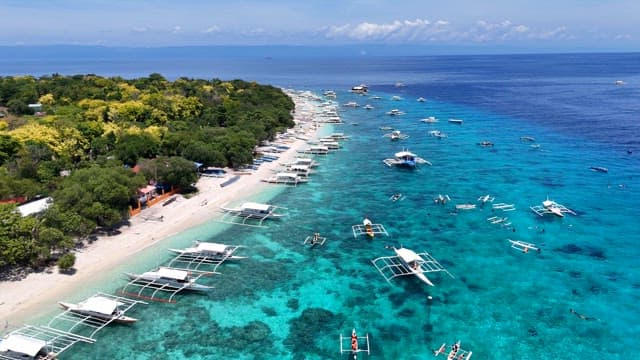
(595, 24)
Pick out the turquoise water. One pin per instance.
(288, 301)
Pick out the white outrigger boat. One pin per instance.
(396, 135)
(486, 198)
(437, 134)
(551, 207)
(456, 121)
(355, 344)
(103, 307)
(429, 120)
(405, 158)
(408, 262)
(286, 178)
(523, 246)
(302, 161)
(456, 352)
(251, 211)
(170, 278)
(395, 112)
(38, 343)
(209, 250)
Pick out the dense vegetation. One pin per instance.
(80, 144)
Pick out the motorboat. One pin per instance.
(395, 197)
(485, 143)
(351, 104)
(100, 307)
(413, 263)
(368, 107)
(456, 121)
(209, 250)
(421, 99)
(396, 98)
(405, 158)
(169, 278)
(527, 138)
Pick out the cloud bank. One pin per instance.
(424, 30)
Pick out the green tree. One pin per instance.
(175, 171)
(98, 194)
(66, 261)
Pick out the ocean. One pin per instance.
(577, 297)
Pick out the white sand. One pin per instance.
(22, 300)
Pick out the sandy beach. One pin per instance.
(22, 300)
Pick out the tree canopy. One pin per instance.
(90, 131)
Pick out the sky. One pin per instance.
(585, 24)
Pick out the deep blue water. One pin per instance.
(288, 301)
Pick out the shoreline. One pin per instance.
(33, 296)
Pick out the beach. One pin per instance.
(34, 295)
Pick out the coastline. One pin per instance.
(33, 296)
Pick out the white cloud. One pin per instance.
(177, 29)
(422, 30)
(211, 30)
(139, 29)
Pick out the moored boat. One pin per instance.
(100, 307)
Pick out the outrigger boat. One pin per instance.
(456, 352)
(251, 212)
(357, 344)
(429, 120)
(286, 178)
(102, 307)
(396, 135)
(169, 278)
(486, 198)
(209, 250)
(413, 262)
(405, 158)
(395, 112)
(523, 246)
(551, 207)
(408, 262)
(368, 228)
(314, 240)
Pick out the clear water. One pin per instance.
(288, 301)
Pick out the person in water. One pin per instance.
(581, 316)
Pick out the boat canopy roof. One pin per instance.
(22, 344)
(213, 247)
(100, 304)
(173, 273)
(287, 175)
(405, 153)
(255, 206)
(303, 160)
(407, 255)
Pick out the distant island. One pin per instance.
(84, 144)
